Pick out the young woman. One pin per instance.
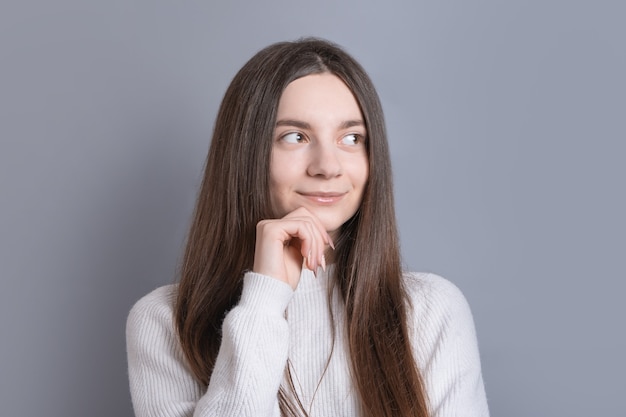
(292, 299)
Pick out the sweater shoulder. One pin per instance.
(426, 286)
(153, 313)
(445, 346)
(161, 299)
(434, 300)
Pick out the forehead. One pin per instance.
(318, 95)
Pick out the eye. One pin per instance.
(293, 137)
(352, 139)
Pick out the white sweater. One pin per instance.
(272, 324)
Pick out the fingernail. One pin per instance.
(323, 263)
(309, 261)
(330, 242)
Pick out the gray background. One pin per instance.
(507, 128)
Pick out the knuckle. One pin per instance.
(263, 224)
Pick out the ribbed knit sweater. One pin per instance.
(272, 325)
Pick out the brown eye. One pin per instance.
(351, 139)
(293, 137)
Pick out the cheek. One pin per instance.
(360, 172)
(365, 174)
(280, 167)
(276, 200)
(279, 177)
(279, 187)
(286, 170)
(276, 186)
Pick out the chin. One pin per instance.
(332, 226)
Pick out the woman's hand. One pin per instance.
(284, 246)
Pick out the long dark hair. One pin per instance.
(234, 197)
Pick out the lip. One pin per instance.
(323, 198)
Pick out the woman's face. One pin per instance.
(319, 158)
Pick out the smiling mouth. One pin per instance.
(323, 198)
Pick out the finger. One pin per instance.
(324, 236)
(327, 239)
(312, 246)
(303, 231)
(312, 242)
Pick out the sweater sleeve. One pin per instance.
(248, 369)
(446, 348)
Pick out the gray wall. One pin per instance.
(507, 129)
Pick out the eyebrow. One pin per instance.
(304, 125)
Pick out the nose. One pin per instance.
(324, 161)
